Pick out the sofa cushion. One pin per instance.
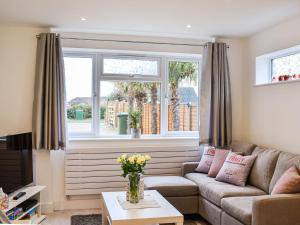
(171, 186)
(218, 161)
(236, 169)
(239, 207)
(243, 147)
(206, 159)
(288, 183)
(263, 167)
(284, 162)
(215, 191)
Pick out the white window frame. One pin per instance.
(133, 57)
(98, 76)
(172, 59)
(94, 96)
(263, 63)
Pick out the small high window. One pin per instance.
(278, 67)
(286, 68)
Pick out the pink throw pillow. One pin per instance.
(236, 169)
(218, 161)
(288, 183)
(206, 159)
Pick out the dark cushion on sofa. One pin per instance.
(263, 167)
(239, 207)
(215, 191)
(284, 162)
(245, 148)
(171, 186)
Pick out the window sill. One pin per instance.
(277, 83)
(151, 138)
(104, 142)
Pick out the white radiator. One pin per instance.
(94, 170)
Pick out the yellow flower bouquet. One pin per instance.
(133, 166)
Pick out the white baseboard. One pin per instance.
(47, 207)
(78, 204)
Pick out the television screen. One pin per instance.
(15, 162)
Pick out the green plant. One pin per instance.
(102, 112)
(133, 167)
(135, 118)
(87, 111)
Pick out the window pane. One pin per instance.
(183, 96)
(130, 66)
(78, 73)
(286, 68)
(116, 98)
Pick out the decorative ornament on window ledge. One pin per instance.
(285, 77)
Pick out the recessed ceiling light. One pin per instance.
(188, 26)
(83, 19)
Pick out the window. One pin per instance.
(286, 68)
(118, 97)
(130, 66)
(183, 96)
(278, 67)
(102, 89)
(79, 75)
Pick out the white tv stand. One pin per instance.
(32, 192)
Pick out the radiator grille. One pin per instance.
(94, 170)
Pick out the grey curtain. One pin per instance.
(48, 122)
(215, 97)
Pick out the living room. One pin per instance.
(84, 83)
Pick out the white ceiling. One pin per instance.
(152, 17)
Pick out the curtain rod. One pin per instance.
(134, 42)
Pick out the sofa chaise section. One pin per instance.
(179, 191)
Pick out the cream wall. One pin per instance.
(271, 113)
(17, 64)
(17, 67)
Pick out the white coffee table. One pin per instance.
(114, 214)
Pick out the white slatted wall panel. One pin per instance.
(93, 170)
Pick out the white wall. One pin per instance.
(271, 113)
(17, 67)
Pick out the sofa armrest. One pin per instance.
(188, 167)
(280, 209)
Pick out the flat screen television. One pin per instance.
(15, 162)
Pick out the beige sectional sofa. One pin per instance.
(226, 204)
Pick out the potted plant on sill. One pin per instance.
(135, 120)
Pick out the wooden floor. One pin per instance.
(64, 217)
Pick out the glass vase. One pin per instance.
(134, 187)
